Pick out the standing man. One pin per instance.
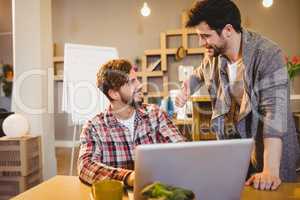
(249, 89)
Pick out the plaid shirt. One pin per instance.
(107, 148)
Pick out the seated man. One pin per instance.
(108, 140)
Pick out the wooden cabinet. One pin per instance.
(20, 164)
(202, 112)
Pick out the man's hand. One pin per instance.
(264, 181)
(130, 179)
(182, 97)
(269, 178)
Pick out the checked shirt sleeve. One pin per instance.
(90, 169)
(168, 129)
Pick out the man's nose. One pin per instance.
(138, 85)
(203, 42)
(138, 82)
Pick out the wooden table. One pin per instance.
(70, 188)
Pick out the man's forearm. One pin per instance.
(272, 155)
(90, 172)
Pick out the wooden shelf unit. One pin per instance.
(58, 59)
(178, 122)
(162, 54)
(59, 77)
(150, 74)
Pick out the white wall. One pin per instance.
(33, 88)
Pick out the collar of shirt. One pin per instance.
(111, 119)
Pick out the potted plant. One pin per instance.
(6, 79)
(293, 67)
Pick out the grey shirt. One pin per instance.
(265, 105)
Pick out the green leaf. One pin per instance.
(158, 190)
(293, 70)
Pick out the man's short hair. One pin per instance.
(113, 75)
(216, 13)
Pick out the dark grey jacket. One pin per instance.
(265, 109)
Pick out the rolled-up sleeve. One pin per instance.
(196, 80)
(273, 90)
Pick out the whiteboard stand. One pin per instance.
(81, 64)
(73, 149)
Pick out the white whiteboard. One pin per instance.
(81, 97)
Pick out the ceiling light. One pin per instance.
(267, 3)
(145, 11)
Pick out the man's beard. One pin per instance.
(217, 50)
(131, 101)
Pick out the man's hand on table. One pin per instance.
(264, 181)
(269, 178)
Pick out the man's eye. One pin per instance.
(131, 81)
(205, 36)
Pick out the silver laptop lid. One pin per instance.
(213, 170)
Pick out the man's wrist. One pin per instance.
(273, 171)
(127, 178)
(272, 156)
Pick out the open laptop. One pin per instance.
(213, 170)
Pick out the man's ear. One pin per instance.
(228, 30)
(114, 94)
